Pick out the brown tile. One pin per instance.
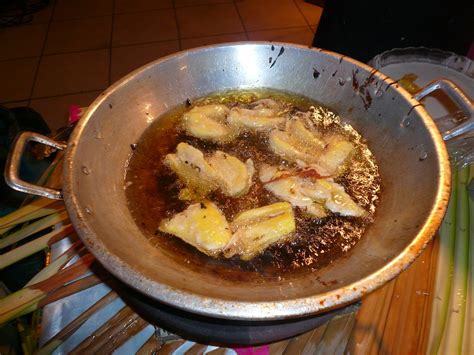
(73, 9)
(298, 35)
(205, 41)
(17, 77)
(55, 110)
(122, 6)
(126, 59)
(43, 16)
(144, 27)
(208, 20)
(16, 104)
(311, 12)
(181, 3)
(79, 35)
(61, 74)
(22, 41)
(269, 14)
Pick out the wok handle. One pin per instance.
(459, 98)
(12, 168)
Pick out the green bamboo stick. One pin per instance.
(34, 246)
(36, 209)
(468, 343)
(51, 269)
(35, 227)
(15, 304)
(453, 334)
(445, 264)
(29, 298)
(26, 300)
(27, 310)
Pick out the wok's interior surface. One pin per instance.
(410, 153)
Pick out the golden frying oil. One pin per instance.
(152, 191)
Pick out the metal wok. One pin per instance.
(410, 151)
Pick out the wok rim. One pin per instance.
(257, 311)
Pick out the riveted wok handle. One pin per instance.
(459, 98)
(12, 168)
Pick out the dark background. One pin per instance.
(363, 29)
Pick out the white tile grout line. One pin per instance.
(52, 96)
(111, 38)
(35, 77)
(305, 19)
(241, 20)
(149, 42)
(177, 25)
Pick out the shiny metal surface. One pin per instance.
(12, 167)
(427, 66)
(445, 61)
(459, 97)
(410, 151)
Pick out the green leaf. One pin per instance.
(35, 227)
(34, 246)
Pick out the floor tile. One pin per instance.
(126, 59)
(311, 12)
(43, 16)
(79, 35)
(269, 14)
(298, 35)
(122, 6)
(73, 9)
(208, 20)
(205, 41)
(15, 104)
(17, 77)
(144, 27)
(55, 110)
(61, 74)
(22, 41)
(181, 3)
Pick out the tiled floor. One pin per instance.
(74, 49)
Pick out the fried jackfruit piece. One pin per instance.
(296, 142)
(290, 189)
(233, 177)
(256, 229)
(312, 194)
(335, 155)
(263, 115)
(299, 144)
(192, 168)
(336, 199)
(209, 123)
(203, 175)
(202, 225)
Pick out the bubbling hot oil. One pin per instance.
(152, 191)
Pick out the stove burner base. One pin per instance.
(224, 332)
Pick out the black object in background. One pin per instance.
(17, 12)
(363, 29)
(12, 122)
